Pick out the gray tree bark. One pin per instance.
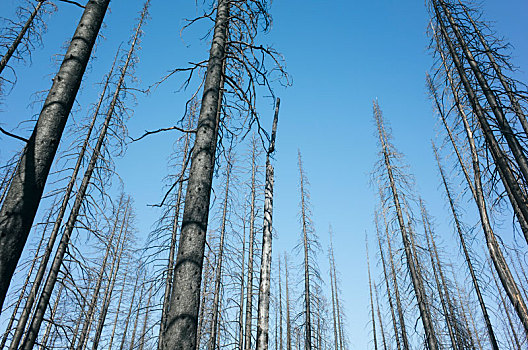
(182, 321)
(25, 191)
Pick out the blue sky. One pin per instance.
(341, 55)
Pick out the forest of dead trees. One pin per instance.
(76, 273)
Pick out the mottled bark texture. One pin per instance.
(25, 191)
(265, 267)
(182, 320)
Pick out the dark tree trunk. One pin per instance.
(25, 191)
(182, 321)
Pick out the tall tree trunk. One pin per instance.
(249, 286)
(174, 236)
(113, 277)
(334, 314)
(136, 319)
(416, 279)
(383, 340)
(288, 320)
(25, 191)
(373, 319)
(281, 345)
(12, 48)
(51, 321)
(307, 296)
(79, 199)
(129, 313)
(181, 332)
(242, 279)
(220, 256)
(388, 289)
(118, 310)
(22, 322)
(265, 267)
(145, 320)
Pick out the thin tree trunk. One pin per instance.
(129, 314)
(307, 296)
(384, 341)
(12, 48)
(389, 293)
(242, 279)
(220, 256)
(288, 320)
(61, 250)
(25, 191)
(110, 287)
(145, 320)
(373, 319)
(416, 281)
(181, 332)
(47, 332)
(249, 286)
(334, 315)
(136, 320)
(265, 268)
(118, 310)
(22, 322)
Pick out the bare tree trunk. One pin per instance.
(416, 281)
(384, 341)
(136, 320)
(129, 313)
(22, 322)
(265, 268)
(495, 252)
(388, 289)
(181, 332)
(220, 256)
(334, 315)
(61, 250)
(281, 345)
(25, 191)
(145, 321)
(242, 279)
(12, 48)
(288, 320)
(22, 294)
(47, 332)
(249, 286)
(373, 319)
(113, 277)
(118, 310)
(307, 296)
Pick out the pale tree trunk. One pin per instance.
(265, 267)
(12, 48)
(334, 315)
(383, 340)
(129, 313)
(113, 277)
(208, 276)
(281, 345)
(182, 321)
(288, 319)
(118, 310)
(145, 320)
(25, 191)
(388, 289)
(373, 319)
(242, 279)
(307, 296)
(22, 322)
(249, 286)
(79, 199)
(220, 256)
(136, 319)
(416, 281)
(469, 314)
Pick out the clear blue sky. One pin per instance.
(342, 55)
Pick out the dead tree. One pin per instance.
(25, 190)
(467, 257)
(387, 154)
(373, 319)
(265, 268)
(81, 193)
(233, 51)
(288, 318)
